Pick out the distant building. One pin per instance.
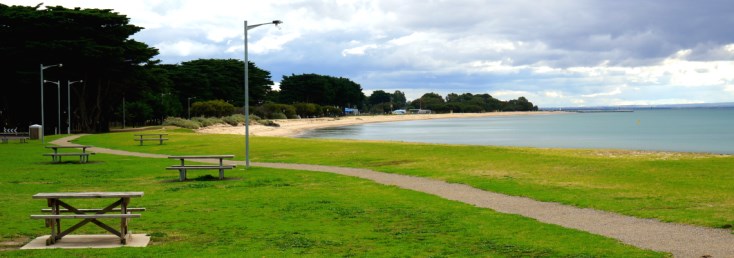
(351, 111)
(398, 112)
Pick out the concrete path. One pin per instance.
(678, 239)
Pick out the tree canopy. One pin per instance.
(93, 45)
(320, 89)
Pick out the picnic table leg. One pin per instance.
(141, 140)
(160, 138)
(124, 221)
(221, 170)
(54, 224)
(182, 172)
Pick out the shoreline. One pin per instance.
(295, 127)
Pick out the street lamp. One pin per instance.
(68, 104)
(247, 92)
(189, 106)
(58, 102)
(43, 125)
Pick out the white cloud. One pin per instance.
(614, 92)
(358, 51)
(553, 94)
(187, 48)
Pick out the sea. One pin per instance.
(699, 130)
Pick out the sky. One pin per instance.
(563, 53)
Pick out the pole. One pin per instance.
(123, 111)
(247, 106)
(58, 105)
(43, 126)
(68, 107)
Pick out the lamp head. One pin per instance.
(277, 22)
(60, 65)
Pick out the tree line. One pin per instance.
(123, 82)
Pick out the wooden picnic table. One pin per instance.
(56, 156)
(183, 167)
(21, 136)
(146, 137)
(57, 206)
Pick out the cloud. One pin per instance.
(561, 53)
(616, 91)
(358, 51)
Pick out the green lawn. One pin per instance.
(271, 212)
(677, 187)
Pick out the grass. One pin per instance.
(675, 187)
(274, 213)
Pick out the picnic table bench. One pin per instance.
(21, 136)
(149, 137)
(183, 167)
(56, 156)
(119, 208)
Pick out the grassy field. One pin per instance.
(271, 212)
(676, 187)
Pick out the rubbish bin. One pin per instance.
(34, 131)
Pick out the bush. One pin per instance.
(207, 121)
(278, 116)
(234, 120)
(212, 108)
(331, 111)
(275, 111)
(268, 123)
(307, 109)
(180, 122)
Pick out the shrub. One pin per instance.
(331, 111)
(234, 120)
(268, 123)
(278, 115)
(180, 122)
(212, 108)
(208, 121)
(271, 110)
(307, 109)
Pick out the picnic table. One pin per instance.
(56, 156)
(183, 167)
(149, 137)
(21, 136)
(117, 210)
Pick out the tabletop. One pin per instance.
(151, 134)
(88, 195)
(202, 157)
(75, 146)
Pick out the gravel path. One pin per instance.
(678, 239)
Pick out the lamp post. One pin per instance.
(189, 106)
(43, 125)
(123, 111)
(247, 91)
(58, 102)
(68, 104)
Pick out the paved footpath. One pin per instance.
(679, 239)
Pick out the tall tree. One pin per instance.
(211, 79)
(94, 45)
(398, 99)
(378, 97)
(320, 89)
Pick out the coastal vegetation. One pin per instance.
(676, 187)
(271, 212)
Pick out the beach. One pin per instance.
(294, 127)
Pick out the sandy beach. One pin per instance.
(293, 127)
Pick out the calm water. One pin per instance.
(686, 130)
